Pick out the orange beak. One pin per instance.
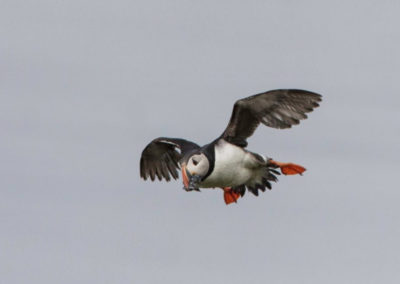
(185, 177)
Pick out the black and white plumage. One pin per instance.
(225, 162)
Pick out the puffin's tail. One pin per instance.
(232, 194)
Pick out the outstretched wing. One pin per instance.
(161, 156)
(277, 109)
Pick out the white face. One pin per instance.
(198, 165)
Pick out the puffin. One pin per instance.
(225, 163)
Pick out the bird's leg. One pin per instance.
(287, 168)
(229, 195)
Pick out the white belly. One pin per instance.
(233, 167)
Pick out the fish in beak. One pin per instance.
(190, 182)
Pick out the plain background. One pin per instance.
(85, 85)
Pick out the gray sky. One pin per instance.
(85, 85)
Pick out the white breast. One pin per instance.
(233, 166)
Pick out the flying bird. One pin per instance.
(225, 163)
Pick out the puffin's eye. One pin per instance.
(195, 162)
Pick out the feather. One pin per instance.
(161, 158)
(278, 109)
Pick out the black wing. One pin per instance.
(277, 109)
(161, 156)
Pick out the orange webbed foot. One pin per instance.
(289, 168)
(230, 196)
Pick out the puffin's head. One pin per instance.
(194, 170)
